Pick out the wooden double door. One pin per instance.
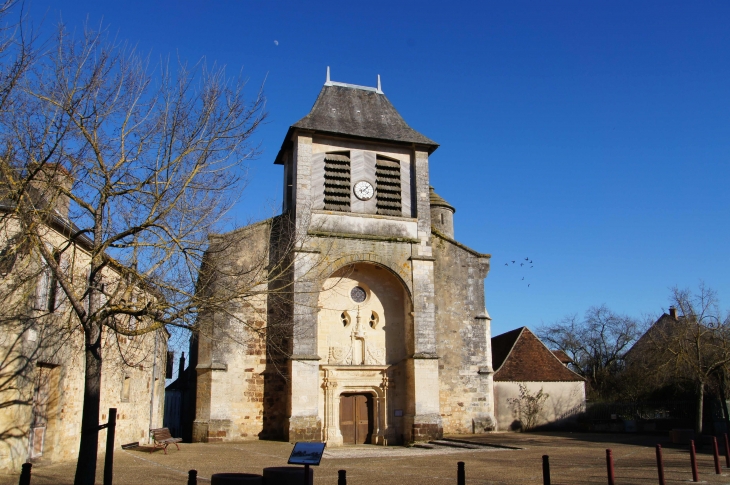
(356, 418)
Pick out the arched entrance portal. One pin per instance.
(364, 324)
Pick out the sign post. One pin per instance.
(306, 454)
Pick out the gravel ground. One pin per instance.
(574, 459)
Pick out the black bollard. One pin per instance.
(341, 477)
(460, 474)
(25, 474)
(192, 477)
(109, 457)
(545, 470)
(727, 452)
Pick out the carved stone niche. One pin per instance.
(366, 379)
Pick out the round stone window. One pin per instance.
(358, 294)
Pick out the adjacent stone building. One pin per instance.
(364, 320)
(42, 346)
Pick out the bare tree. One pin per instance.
(692, 346)
(596, 343)
(142, 163)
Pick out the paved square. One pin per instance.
(574, 459)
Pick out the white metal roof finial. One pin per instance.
(330, 82)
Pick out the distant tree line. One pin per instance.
(683, 355)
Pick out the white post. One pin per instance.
(152, 393)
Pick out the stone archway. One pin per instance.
(364, 324)
(401, 272)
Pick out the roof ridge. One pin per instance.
(550, 369)
(553, 354)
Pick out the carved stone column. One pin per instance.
(332, 433)
(381, 412)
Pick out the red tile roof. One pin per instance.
(562, 356)
(520, 356)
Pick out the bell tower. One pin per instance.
(356, 173)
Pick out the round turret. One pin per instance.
(442, 214)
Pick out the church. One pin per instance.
(363, 319)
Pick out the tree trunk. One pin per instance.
(723, 400)
(86, 464)
(700, 403)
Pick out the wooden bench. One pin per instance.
(162, 439)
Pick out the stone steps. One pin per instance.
(480, 445)
(455, 444)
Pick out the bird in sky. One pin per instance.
(527, 259)
(523, 277)
(512, 261)
(506, 264)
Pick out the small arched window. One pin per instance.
(373, 320)
(345, 318)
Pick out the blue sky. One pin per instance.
(591, 137)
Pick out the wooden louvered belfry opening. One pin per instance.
(388, 190)
(337, 182)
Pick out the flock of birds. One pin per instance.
(527, 262)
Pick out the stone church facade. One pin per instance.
(371, 327)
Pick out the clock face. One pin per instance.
(364, 191)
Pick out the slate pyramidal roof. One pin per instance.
(357, 111)
(519, 356)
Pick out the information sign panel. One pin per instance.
(306, 454)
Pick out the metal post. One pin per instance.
(25, 474)
(727, 452)
(716, 456)
(109, 458)
(545, 470)
(660, 464)
(192, 477)
(609, 467)
(693, 461)
(460, 474)
(341, 477)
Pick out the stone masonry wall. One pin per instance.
(232, 361)
(466, 399)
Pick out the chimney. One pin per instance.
(182, 365)
(673, 312)
(47, 180)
